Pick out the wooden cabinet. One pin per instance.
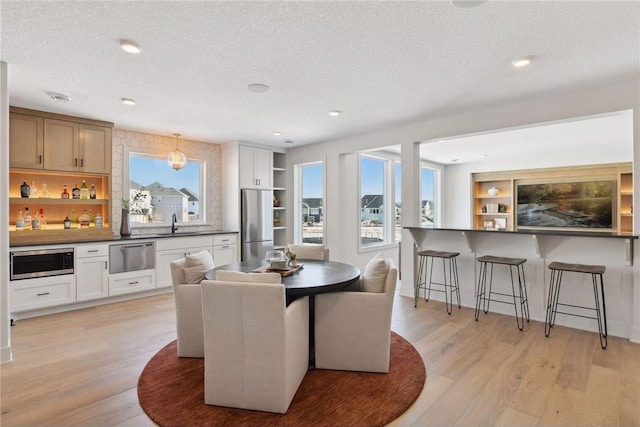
(73, 146)
(493, 203)
(255, 167)
(625, 203)
(26, 136)
(92, 272)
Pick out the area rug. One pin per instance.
(171, 392)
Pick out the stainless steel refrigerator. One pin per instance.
(257, 223)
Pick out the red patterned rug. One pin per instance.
(171, 392)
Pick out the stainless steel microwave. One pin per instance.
(41, 263)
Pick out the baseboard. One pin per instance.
(5, 355)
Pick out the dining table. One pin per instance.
(312, 278)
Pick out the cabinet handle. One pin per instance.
(225, 246)
(40, 159)
(81, 163)
(75, 162)
(92, 250)
(133, 283)
(225, 240)
(43, 294)
(105, 265)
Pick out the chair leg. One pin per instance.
(427, 295)
(448, 297)
(482, 281)
(523, 291)
(416, 289)
(519, 321)
(602, 331)
(487, 297)
(457, 283)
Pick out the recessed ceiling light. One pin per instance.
(335, 113)
(467, 4)
(454, 160)
(130, 46)
(258, 88)
(523, 61)
(277, 133)
(128, 101)
(484, 155)
(60, 97)
(440, 141)
(288, 141)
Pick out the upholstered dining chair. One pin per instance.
(310, 251)
(186, 275)
(353, 329)
(256, 348)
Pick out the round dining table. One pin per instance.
(313, 277)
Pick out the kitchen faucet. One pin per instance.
(174, 224)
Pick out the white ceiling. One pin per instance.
(381, 63)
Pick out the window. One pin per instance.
(309, 203)
(156, 191)
(380, 200)
(428, 206)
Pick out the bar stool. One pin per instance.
(484, 299)
(451, 285)
(557, 269)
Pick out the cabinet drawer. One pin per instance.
(225, 239)
(183, 242)
(124, 283)
(45, 292)
(85, 251)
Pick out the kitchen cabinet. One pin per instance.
(255, 167)
(26, 136)
(625, 203)
(173, 248)
(280, 238)
(129, 282)
(42, 292)
(71, 146)
(92, 272)
(225, 249)
(493, 202)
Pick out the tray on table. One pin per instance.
(288, 271)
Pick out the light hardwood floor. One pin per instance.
(81, 368)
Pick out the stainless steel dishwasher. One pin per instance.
(132, 257)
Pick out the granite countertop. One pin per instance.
(568, 233)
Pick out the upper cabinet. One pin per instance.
(48, 141)
(255, 167)
(26, 141)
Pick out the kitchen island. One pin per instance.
(617, 252)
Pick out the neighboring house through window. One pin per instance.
(309, 196)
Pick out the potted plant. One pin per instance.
(125, 224)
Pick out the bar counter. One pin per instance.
(542, 247)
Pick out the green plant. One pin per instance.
(138, 196)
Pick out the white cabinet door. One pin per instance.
(135, 281)
(92, 276)
(29, 294)
(225, 254)
(163, 267)
(255, 167)
(263, 171)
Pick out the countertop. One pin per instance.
(567, 233)
(133, 237)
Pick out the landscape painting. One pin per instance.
(570, 205)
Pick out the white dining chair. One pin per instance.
(310, 251)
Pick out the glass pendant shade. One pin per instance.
(176, 159)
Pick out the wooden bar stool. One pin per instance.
(451, 284)
(483, 299)
(596, 271)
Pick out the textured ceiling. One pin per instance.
(381, 63)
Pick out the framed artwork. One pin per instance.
(566, 205)
(501, 223)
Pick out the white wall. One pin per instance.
(341, 190)
(5, 331)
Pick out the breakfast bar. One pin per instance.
(540, 248)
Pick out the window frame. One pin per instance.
(389, 201)
(437, 191)
(158, 155)
(298, 201)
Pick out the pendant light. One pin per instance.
(177, 159)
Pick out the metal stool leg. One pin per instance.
(523, 291)
(487, 297)
(457, 283)
(448, 299)
(419, 282)
(601, 331)
(519, 321)
(482, 281)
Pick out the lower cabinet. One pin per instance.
(92, 271)
(134, 281)
(43, 292)
(174, 248)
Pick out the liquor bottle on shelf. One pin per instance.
(25, 190)
(98, 220)
(27, 219)
(43, 220)
(84, 191)
(73, 217)
(44, 192)
(92, 192)
(35, 221)
(84, 219)
(20, 221)
(34, 190)
(65, 193)
(75, 192)
(67, 223)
